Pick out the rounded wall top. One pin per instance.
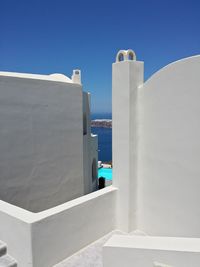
(125, 55)
(56, 77)
(60, 77)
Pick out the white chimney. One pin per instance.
(76, 77)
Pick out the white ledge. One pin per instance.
(155, 243)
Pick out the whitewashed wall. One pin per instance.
(94, 161)
(45, 238)
(156, 147)
(41, 141)
(64, 230)
(169, 151)
(15, 231)
(90, 148)
(127, 77)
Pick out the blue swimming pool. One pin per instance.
(106, 173)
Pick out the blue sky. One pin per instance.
(58, 36)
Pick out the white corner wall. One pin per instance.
(45, 238)
(169, 151)
(62, 231)
(41, 142)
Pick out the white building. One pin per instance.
(154, 200)
(48, 155)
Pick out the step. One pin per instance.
(7, 261)
(157, 251)
(3, 248)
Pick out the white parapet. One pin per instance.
(58, 232)
(146, 251)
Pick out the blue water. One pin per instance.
(104, 137)
(104, 143)
(101, 116)
(106, 173)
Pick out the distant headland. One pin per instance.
(101, 123)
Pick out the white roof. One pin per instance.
(57, 77)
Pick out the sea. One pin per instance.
(104, 138)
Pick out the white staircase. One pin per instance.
(5, 259)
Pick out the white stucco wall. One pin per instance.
(156, 147)
(46, 161)
(90, 147)
(15, 231)
(169, 151)
(156, 171)
(41, 140)
(64, 230)
(94, 160)
(45, 238)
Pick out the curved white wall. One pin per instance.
(169, 151)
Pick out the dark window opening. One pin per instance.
(84, 124)
(94, 170)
